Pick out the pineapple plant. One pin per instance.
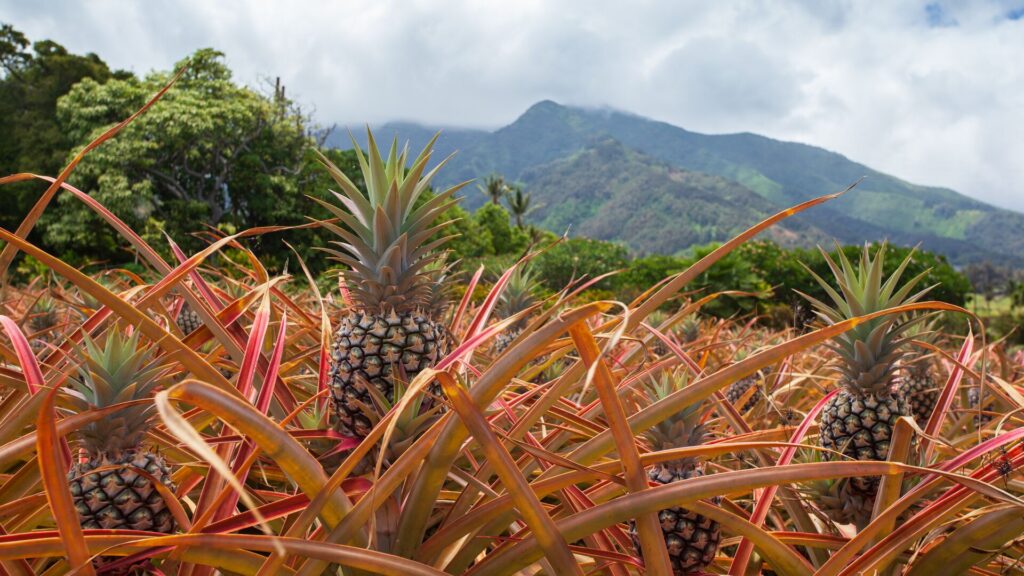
(691, 539)
(918, 384)
(107, 488)
(389, 242)
(42, 319)
(519, 295)
(859, 420)
(690, 328)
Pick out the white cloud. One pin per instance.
(932, 92)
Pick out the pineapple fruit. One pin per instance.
(859, 420)
(188, 320)
(737, 389)
(106, 487)
(918, 384)
(389, 242)
(691, 539)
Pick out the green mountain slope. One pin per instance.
(781, 173)
(609, 192)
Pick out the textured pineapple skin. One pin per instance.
(188, 320)
(973, 399)
(504, 339)
(737, 389)
(691, 539)
(860, 426)
(371, 349)
(120, 498)
(922, 394)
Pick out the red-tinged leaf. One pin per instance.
(200, 284)
(30, 368)
(946, 398)
(53, 472)
(324, 370)
(27, 360)
(764, 503)
(466, 298)
(530, 508)
(254, 347)
(648, 527)
(247, 519)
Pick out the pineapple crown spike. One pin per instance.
(684, 428)
(115, 371)
(386, 237)
(869, 351)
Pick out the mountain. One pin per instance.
(550, 136)
(610, 192)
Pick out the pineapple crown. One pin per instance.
(519, 294)
(386, 240)
(43, 314)
(682, 429)
(690, 328)
(113, 372)
(870, 351)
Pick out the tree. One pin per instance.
(31, 139)
(519, 204)
(577, 258)
(494, 187)
(210, 153)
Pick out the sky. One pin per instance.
(931, 92)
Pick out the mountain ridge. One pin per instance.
(783, 173)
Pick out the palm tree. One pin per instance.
(495, 187)
(518, 204)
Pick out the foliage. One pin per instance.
(31, 139)
(579, 258)
(533, 462)
(226, 156)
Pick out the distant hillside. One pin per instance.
(609, 192)
(548, 135)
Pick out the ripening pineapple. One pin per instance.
(691, 539)
(737, 389)
(858, 422)
(918, 384)
(735, 392)
(188, 320)
(120, 497)
(519, 295)
(389, 243)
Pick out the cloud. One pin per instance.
(927, 91)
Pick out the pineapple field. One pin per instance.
(204, 412)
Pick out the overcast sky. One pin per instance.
(932, 92)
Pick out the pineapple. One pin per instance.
(389, 242)
(518, 295)
(118, 497)
(735, 392)
(690, 328)
(737, 389)
(918, 384)
(858, 422)
(692, 539)
(188, 320)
